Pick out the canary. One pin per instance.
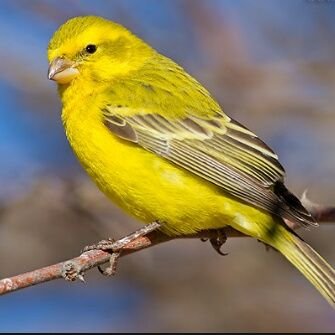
(157, 144)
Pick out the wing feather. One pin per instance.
(218, 149)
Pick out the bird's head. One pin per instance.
(95, 49)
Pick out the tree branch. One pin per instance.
(76, 267)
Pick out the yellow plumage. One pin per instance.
(156, 143)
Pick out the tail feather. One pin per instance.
(292, 208)
(309, 263)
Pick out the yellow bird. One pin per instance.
(156, 142)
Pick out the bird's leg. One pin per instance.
(111, 245)
(218, 241)
(72, 271)
(115, 247)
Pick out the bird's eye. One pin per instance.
(91, 48)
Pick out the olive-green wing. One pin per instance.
(219, 150)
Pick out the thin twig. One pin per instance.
(94, 258)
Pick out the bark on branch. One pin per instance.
(94, 258)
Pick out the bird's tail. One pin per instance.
(308, 262)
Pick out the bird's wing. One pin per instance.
(217, 149)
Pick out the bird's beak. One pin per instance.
(62, 70)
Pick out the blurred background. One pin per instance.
(271, 64)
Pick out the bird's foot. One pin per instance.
(71, 272)
(110, 270)
(218, 241)
(115, 247)
(104, 245)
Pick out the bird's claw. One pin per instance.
(218, 241)
(115, 247)
(110, 270)
(71, 272)
(104, 245)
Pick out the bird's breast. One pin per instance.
(144, 184)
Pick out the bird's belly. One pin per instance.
(150, 188)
